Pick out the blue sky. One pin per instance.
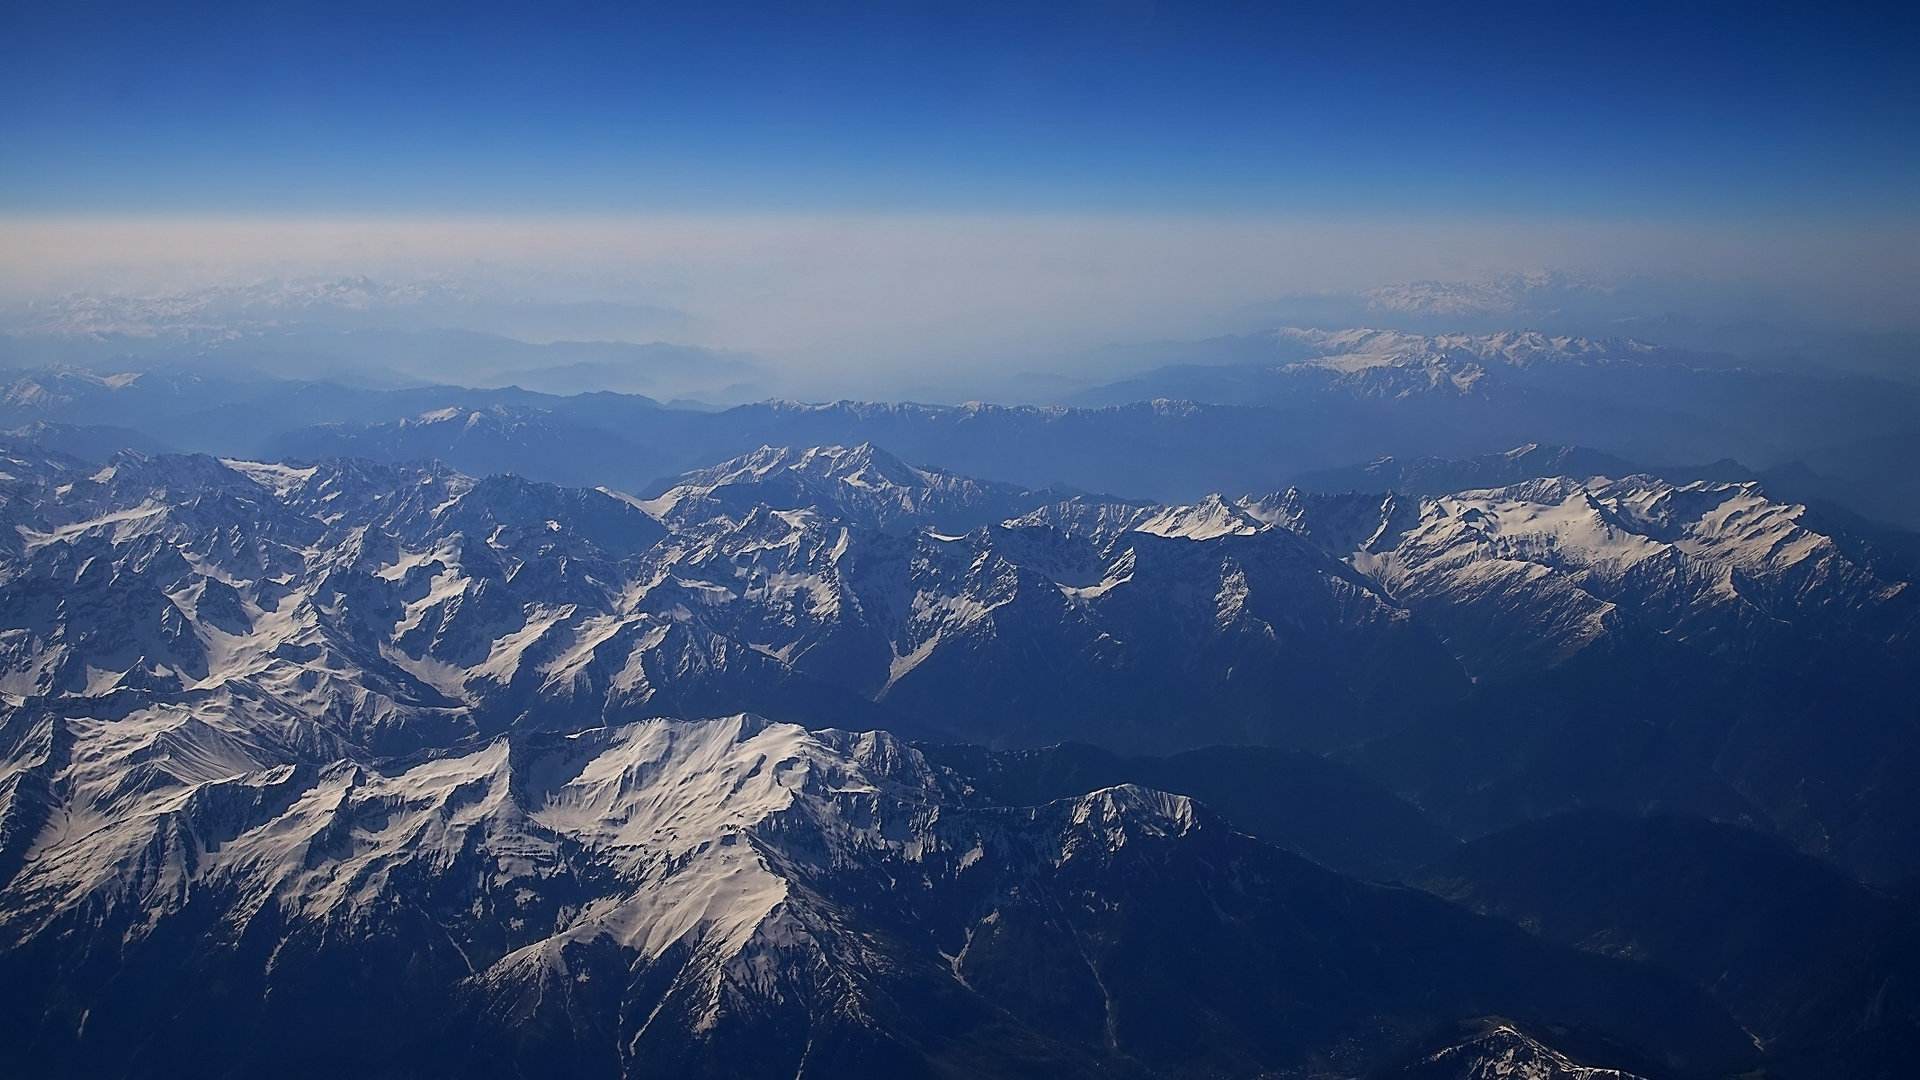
(1422, 112)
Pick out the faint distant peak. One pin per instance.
(1500, 295)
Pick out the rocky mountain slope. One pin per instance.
(733, 897)
(1818, 967)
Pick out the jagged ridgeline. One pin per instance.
(297, 749)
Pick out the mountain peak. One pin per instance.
(1503, 1052)
(861, 482)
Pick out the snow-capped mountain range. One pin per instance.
(1385, 363)
(407, 604)
(432, 755)
(1390, 361)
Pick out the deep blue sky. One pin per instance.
(1553, 110)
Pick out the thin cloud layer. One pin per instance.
(835, 298)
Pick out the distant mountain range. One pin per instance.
(1290, 362)
(1294, 404)
(1266, 412)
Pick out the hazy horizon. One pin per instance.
(859, 196)
(830, 301)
